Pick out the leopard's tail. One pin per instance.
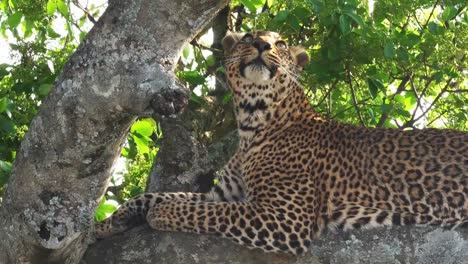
(356, 217)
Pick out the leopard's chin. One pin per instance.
(257, 71)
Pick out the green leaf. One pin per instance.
(186, 51)
(51, 32)
(5, 166)
(144, 127)
(281, 16)
(374, 86)
(411, 39)
(63, 8)
(195, 98)
(136, 190)
(332, 53)
(82, 35)
(389, 50)
(221, 69)
(386, 108)
(435, 28)
(449, 13)
(403, 113)
(7, 126)
(103, 210)
(192, 77)
(403, 54)
(4, 178)
(250, 5)
(4, 5)
(3, 104)
(355, 17)
(142, 143)
(44, 89)
(400, 98)
(302, 13)
(227, 98)
(317, 5)
(14, 19)
(345, 26)
(293, 22)
(3, 70)
(438, 76)
(210, 61)
(51, 7)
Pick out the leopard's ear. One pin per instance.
(230, 40)
(300, 55)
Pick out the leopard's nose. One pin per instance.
(261, 45)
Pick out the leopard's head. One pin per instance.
(262, 71)
(260, 57)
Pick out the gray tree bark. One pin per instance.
(122, 70)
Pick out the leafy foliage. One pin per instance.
(402, 65)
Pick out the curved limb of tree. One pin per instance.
(122, 70)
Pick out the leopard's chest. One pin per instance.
(278, 166)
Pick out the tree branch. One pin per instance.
(400, 89)
(411, 122)
(353, 95)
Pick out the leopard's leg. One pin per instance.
(230, 187)
(252, 224)
(133, 212)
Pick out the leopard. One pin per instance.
(297, 174)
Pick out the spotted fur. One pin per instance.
(297, 173)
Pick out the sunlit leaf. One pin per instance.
(142, 143)
(13, 20)
(3, 104)
(51, 32)
(186, 51)
(252, 5)
(449, 13)
(51, 7)
(144, 127)
(103, 210)
(192, 77)
(63, 8)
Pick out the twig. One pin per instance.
(353, 94)
(411, 122)
(400, 89)
(85, 11)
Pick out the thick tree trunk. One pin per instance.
(123, 69)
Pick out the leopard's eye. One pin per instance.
(247, 38)
(281, 44)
